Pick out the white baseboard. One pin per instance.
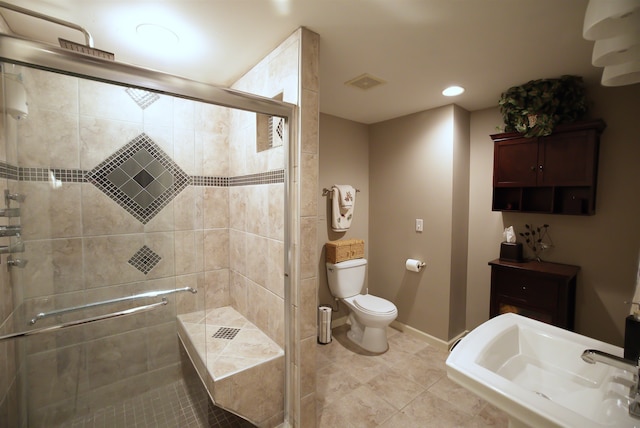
(339, 322)
(431, 340)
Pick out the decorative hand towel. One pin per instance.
(347, 196)
(343, 201)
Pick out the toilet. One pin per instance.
(369, 315)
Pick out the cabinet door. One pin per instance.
(568, 159)
(515, 163)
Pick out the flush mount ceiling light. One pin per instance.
(157, 34)
(453, 91)
(615, 28)
(365, 81)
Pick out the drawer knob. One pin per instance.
(524, 287)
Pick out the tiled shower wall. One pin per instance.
(257, 212)
(196, 237)
(10, 361)
(293, 70)
(83, 240)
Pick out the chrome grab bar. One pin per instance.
(42, 315)
(125, 312)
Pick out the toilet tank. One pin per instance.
(346, 278)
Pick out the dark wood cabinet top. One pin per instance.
(598, 124)
(555, 269)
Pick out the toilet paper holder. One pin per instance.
(414, 265)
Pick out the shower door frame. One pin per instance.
(21, 51)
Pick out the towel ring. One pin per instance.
(326, 191)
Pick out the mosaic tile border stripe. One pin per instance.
(206, 181)
(8, 171)
(12, 172)
(269, 177)
(47, 174)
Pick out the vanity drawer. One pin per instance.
(541, 290)
(536, 291)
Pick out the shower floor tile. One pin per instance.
(173, 406)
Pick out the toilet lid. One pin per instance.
(371, 303)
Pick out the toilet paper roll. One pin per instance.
(414, 265)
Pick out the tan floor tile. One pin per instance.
(407, 386)
(419, 370)
(460, 397)
(490, 416)
(430, 411)
(407, 343)
(362, 407)
(394, 388)
(333, 383)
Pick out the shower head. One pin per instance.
(86, 50)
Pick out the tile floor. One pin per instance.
(171, 406)
(405, 387)
(181, 404)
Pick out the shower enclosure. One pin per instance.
(145, 228)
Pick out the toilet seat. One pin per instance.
(373, 305)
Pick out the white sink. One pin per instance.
(534, 372)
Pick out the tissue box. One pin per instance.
(511, 251)
(348, 249)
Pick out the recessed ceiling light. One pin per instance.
(157, 34)
(453, 91)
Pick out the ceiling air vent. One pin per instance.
(365, 81)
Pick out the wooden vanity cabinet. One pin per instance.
(555, 174)
(540, 290)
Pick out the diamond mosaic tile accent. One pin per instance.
(226, 333)
(143, 98)
(140, 177)
(145, 259)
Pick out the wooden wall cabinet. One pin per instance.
(539, 290)
(555, 174)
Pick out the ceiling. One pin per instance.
(418, 47)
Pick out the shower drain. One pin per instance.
(225, 333)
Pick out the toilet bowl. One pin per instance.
(369, 315)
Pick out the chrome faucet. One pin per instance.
(593, 356)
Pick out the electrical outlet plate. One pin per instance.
(419, 225)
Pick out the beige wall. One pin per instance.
(411, 176)
(344, 159)
(460, 222)
(485, 226)
(605, 245)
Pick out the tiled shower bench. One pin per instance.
(240, 366)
